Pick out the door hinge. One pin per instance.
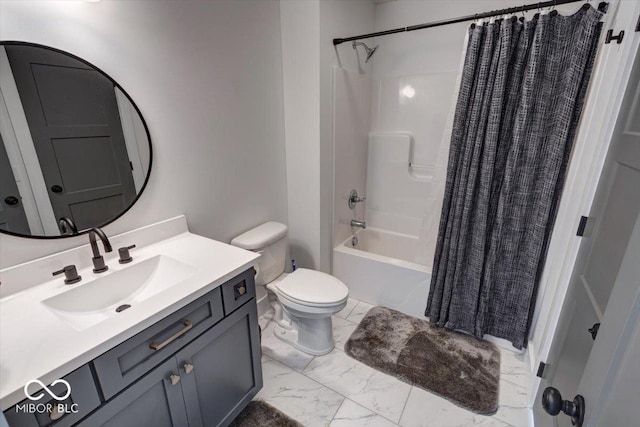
(541, 367)
(582, 226)
(617, 38)
(594, 330)
(131, 165)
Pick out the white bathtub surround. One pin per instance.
(396, 190)
(381, 271)
(368, 397)
(352, 102)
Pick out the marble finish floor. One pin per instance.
(338, 391)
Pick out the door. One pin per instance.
(153, 401)
(73, 117)
(221, 370)
(594, 296)
(12, 216)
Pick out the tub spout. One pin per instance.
(356, 223)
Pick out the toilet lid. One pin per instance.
(312, 287)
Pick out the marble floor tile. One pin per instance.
(359, 311)
(301, 398)
(351, 414)
(372, 389)
(515, 368)
(265, 319)
(512, 362)
(342, 330)
(351, 303)
(281, 351)
(516, 417)
(425, 409)
(513, 395)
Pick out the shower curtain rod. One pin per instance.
(602, 7)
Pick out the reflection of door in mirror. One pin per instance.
(12, 216)
(77, 133)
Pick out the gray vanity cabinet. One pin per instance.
(197, 367)
(205, 384)
(153, 401)
(221, 370)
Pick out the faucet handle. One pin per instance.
(70, 273)
(355, 199)
(125, 256)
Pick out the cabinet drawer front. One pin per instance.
(238, 291)
(127, 362)
(82, 400)
(154, 401)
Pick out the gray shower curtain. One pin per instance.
(522, 90)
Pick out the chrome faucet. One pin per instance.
(99, 265)
(356, 223)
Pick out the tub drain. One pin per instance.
(123, 307)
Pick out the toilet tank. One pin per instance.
(270, 240)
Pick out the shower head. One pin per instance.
(369, 51)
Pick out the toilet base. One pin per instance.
(311, 336)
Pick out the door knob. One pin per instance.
(188, 367)
(56, 189)
(11, 200)
(552, 403)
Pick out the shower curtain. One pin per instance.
(522, 90)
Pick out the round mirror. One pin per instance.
(75, 152)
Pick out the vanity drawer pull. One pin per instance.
(174, 379)
(55, 413)
(187, 325)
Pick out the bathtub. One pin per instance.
(381, 270)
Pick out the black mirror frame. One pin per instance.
(144, 123)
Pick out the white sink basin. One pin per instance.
(91, 303)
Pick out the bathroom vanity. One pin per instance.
(185, 353)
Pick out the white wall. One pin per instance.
(300, 22)
(207, 77)
(352, 92)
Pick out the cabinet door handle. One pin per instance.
(188, 367)
(175, 379)
(187, 325)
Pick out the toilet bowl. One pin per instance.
(304, 300)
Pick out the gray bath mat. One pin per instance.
(260, 414)
(458, 367)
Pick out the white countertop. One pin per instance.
(37, 344)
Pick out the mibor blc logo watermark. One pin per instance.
(54, 409)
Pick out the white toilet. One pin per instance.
(304, 300)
